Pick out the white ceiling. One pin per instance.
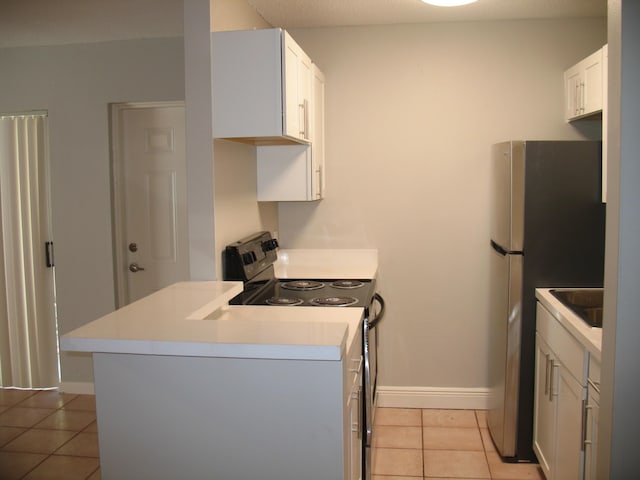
(324, 13)
(41, 22)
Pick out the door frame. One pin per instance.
(118, 193)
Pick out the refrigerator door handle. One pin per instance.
(503, 251)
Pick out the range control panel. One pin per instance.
(246, 258)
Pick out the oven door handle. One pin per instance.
(374, 321)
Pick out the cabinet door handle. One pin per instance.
(587, 419)
(306, 119)
(585, 416)
(303, 109)
(576, 107)
(303, 119)
(546, 375)
(553, 379)
(357, 362)
(319, 186)
(356, 427)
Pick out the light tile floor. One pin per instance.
(411, 444)
(53, 436)
(48, 435)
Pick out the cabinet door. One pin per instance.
(591, 434)
(544, 408)
(592, 85)
(297, 89)
(573, 82)
(569, 453)
(247, 84)
(296, 172)
(355, 444)
(285, 173)
(317, 133)
(583, 87)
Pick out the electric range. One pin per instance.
(251, 260)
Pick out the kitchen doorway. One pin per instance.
(149, 192)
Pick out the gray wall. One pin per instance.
(411, 113)
(75, 84)
(619, 425)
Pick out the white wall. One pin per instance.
(75, 84)
(234, 15)
(237, 211)
(411, 113)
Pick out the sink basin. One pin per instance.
(587, 303)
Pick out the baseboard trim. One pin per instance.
(397, 397)
(433, 397)
(78, 388)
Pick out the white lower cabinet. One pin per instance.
(544, 415)
(569, 453)
(560, 399)
(167, 417)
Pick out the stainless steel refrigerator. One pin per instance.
(547, 230)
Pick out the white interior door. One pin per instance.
(151, 198)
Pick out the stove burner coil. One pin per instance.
(283, 301)
(347, 284)
(302, 285)
(334, 301)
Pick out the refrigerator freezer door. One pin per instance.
(506, 321)
(507, 194)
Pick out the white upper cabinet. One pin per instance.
(585, 92)
(268, 92)
(296, 172)
(584, 87)
(261, 87)
(297, 90)
(317, 132)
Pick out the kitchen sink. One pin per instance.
(587, 303)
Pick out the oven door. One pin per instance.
(373, 316)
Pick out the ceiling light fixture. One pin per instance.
(448, 3)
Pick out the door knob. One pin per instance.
(134, 267)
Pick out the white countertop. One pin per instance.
(590, 337)
(194, 318)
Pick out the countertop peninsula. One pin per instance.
(194, 318)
